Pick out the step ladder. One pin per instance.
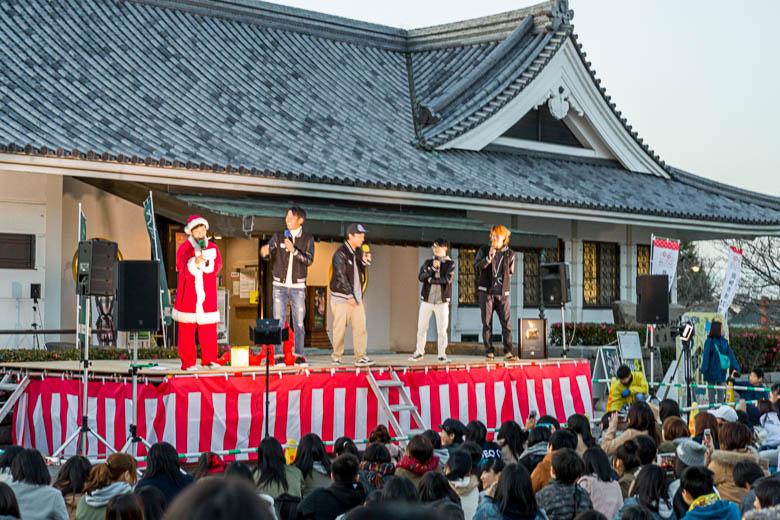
(381, 388)
(17, 389)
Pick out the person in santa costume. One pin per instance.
(198, 263)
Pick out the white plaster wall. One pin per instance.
(31, 204)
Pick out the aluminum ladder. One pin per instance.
(381, 388)
(16, 389)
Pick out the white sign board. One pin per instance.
(665, 253)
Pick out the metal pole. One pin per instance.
(563, 328)
(269, 351)
(157, 258)
(82, 446)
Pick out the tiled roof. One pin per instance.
(252, 88)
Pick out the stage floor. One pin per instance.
(316, 363)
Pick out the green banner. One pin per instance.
(81, 321)
(154, 238)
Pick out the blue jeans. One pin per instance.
(281, 296)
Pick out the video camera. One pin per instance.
(268, 332)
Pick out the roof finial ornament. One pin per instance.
(561, 14)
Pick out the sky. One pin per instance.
(698, 80)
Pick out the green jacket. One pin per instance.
(294, 483)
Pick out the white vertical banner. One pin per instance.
(663, 259)
(731, 280)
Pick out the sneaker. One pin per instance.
(490, 357)
(416, 357)
(510, 357)
(193, 368)
(300, 360)
(214, 364)
(335, 361)
(444, 359)
(365, 361)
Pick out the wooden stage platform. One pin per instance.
(316, 363)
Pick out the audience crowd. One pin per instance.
(640, 463)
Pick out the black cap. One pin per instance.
(356, 228)
(453, 426)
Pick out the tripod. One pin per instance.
(85, 430)
(133, 438)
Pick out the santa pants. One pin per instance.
(207, 337)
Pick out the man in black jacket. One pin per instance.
(347, 284)
(292, 252)
(436, 276)
(495, 265)
(345, 493)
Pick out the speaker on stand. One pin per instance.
(652, 308)
(137, 310)
(556, 291)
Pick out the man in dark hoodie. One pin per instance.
(342, 495)
(698, 491)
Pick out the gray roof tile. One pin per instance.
(132, 81)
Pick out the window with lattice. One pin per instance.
(601, 273)
(532, 258)
(642, 260)
(467, 277)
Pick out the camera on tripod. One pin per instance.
(685, 331)
(268, 332)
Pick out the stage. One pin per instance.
(224, 409)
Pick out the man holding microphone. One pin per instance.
(292, 251)
(495, 265)
(347, 286)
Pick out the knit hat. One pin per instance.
(725, 413)
(691, 453)
(195, 221)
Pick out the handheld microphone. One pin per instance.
(287, 234)
(365, 248)
(202, 244)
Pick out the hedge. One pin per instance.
(74, 354)
(752, 347)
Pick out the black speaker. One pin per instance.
(556, 287)
(95, 274)
(652, 299)
(137, 305)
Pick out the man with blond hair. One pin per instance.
(495, 265)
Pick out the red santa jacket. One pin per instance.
(196, 290)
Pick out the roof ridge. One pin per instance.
(718, 187)
(471, 31)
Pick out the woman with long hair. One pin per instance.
(272, 476)
(154, 502)
(35, 497)
(651, 493)
(706, 421)
(626, 463)
(70, 481)
(641, 421)
(580, 425)
(209, 463)
(114, 477)
(164, 472)
(513, 497)
(735, 439)
(511, 439)
(600, 482)
(313, 462)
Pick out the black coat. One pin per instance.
(343, 270)
(485, 274)
(303, 256)
(428, 276)
(328, 503)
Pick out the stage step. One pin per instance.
(381, 389)
(16, 389)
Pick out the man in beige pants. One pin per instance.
(347, 284)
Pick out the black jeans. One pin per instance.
(500, 303)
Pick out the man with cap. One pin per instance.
(725, 414)
(688, 454)
(198, 262)
(292, 251)
(348, 283)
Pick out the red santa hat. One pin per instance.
(195, 221)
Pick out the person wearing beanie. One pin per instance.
(688, 454)
(198, 262)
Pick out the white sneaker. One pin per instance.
(444, 359)
(416, 357)
(215, 365)
(365, 361)
(193, 368)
